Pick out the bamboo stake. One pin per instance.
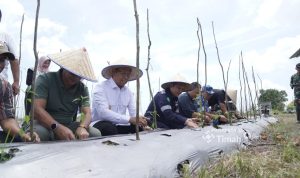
(20, 43)
(205, 66)
(245, 89)
(224, 81)
(138, 66)
(260, 82)
(16, 98)
(256, 94)
(198, 58)
(250, 93)
(35, 68)
(241, 88)
(158, 83)
(227, 76)
(148, 77)
(259, 92)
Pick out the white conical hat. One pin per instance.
(177, 79)
(232, 94)
(120, 63)
(76, 61)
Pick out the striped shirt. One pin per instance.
(6, 100)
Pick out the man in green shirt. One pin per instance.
(295, 84)
(60, 94)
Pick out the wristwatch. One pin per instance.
(54, 126)
(82, 126)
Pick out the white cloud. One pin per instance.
(266, 13)
(107, 30)
(273, 57)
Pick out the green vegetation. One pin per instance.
(275, 154)
(291, 108)
(276, 97)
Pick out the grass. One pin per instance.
(275, 154)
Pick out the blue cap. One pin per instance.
(208, 89)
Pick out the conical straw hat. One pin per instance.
(75, 61)
(177, 79)
(232, 94)
(135, 72)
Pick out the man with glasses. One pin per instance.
(112, 99)
(166, 104)
(60, 94)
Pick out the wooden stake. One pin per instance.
(148, 77)
(224, 81)
(138, 66)
(256, 94)
(205, 67)
(35, 68)
(241, 88)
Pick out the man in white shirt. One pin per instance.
(14, 64)
(111, 99)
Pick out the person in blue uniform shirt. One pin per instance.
(166, 104)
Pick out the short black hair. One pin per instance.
(195, 85)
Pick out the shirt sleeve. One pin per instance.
(221, 97)
(184, 104)
(168, 114)
(86, 97)
(41, 87)
(291, 82)
(131, 105)
(11, 45)
(103, 112)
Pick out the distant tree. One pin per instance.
(291, 107)
(276, 97)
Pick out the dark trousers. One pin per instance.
(108, 128)
(27, 101)
(3, 137)
(298, 110)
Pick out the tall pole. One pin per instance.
(137, 74)
(35, 67)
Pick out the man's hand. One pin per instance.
(223, 118)
(190, 123)
(81, 133)
(64, 133)
(142, 121)
(207, 119)
(26, 137)
(16, 88)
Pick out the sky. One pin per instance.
(265, 31)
